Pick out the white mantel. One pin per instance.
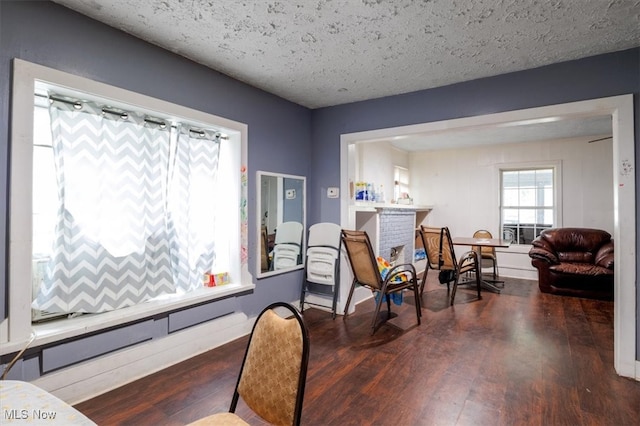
(365, 216)
(367, 206)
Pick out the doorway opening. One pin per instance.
(620, 109)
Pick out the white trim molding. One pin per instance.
(620, 108)
(16, 329)
(95, 377)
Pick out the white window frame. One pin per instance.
(399, 184)
(556, 165)
(16, 329)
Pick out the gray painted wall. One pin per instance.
(292, 208)
(51, 35)
(283, 137)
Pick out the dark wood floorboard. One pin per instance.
(517, 358)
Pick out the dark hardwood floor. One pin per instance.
(518, 358)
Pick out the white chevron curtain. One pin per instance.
(116, 241)
(192, 205)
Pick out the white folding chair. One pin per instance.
(322, 264)
(287, 245)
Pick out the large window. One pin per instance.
(164, 223)
(528, 202)
(124, 206)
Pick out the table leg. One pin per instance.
(487, 285)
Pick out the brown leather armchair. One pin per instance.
(574, 262)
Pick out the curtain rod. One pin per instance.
(77, 104)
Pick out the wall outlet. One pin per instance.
(290, 194)
(333, 192)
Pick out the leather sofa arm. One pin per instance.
(544, 255)
(542, 250)
(605, 256)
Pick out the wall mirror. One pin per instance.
(281, 223)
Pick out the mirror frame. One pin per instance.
(259, 175)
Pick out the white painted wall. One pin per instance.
(463, 187)
(375, 162)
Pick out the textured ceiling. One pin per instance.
(328, 52)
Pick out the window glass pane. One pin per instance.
(45, 201)
(45, 189)
(547, 197)
(403, 176)
(510, 216)
(401, 182)
(527, 234)
(41, 126)
(527, 178)
(527, 216)
(524, 192)
(510, 197)
(527, 197)
(544, 177)
(509, 179)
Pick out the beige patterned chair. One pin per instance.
(273, 373)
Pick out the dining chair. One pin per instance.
(488, 253)
(441, 257)
(274, 370)
(367, 274)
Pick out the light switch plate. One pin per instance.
(333, 192)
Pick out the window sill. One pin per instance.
(56, 330)
(515, 248)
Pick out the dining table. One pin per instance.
(24, 403)
(491, 285)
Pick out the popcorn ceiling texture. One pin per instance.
(329, 52)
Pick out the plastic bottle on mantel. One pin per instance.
(380, 194)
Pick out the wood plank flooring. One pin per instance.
(517, 358)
